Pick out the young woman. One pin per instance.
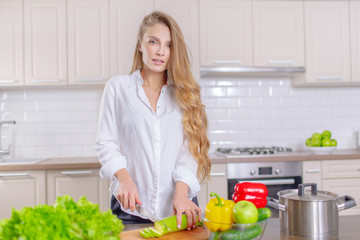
(152, 137)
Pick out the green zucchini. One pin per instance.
(169, 224)
(236, 234)
(264, 213)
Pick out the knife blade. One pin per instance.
(145, 213)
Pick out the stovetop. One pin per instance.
(248, 151)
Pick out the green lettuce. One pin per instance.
(66, 219)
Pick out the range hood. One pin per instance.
(238, 71)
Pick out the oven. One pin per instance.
(276, 176)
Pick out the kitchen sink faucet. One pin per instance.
(5, 151)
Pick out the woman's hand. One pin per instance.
(127, 193)
(182, 204)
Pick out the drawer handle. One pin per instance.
(45, 80)
(219, 174)
(281, 62)
(329, 78)
(14, 174)
(227, 61)
(7, 81)
(75, 172)
(313, 171)
(89, 80)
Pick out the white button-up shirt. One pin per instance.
(150, 145)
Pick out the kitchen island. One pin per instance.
(349, 230)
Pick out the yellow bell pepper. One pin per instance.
(219, 212)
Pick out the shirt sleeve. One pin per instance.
(186, 170)
(107, 142)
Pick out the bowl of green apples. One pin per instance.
(321, 143)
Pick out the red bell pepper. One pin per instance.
(253, 192)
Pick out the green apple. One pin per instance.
(326, 134)
(316, 142)
(245, 212)
(326, 142)
(333, 142)
(316, 136)
(308, 142)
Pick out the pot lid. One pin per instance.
(308, 195)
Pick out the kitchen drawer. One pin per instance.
(312, 172)
(341, 169)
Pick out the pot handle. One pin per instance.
(274, 203)
(301, 188)
(349, 202)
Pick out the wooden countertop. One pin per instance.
(349, 229)
(93, 162)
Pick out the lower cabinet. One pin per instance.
(20, 189)
(77, 183)
(217, 183)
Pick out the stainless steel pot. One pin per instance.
(310, 214)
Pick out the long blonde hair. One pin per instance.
(187, 90)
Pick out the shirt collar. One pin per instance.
(135, 78)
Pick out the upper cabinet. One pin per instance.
(327, 40)
(355, 39)
(11, 43)
(278, 33)
(45, 42)
(88, 34)
(225, 33)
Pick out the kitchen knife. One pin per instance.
(145, 213)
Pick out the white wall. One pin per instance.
(61, 122)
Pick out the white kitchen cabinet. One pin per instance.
(312, 173)
(217, 183)
(343, 177)
(77, 183)
(278, 33)
(327, 39)
(88, 41)
(226, 33)
(125, 18)
(11, 43)
(45, 42)
(355, 39)
(186, 14)
(20, 189)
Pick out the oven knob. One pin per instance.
(277, 171)
(252, 172)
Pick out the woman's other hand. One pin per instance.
(182, 204)
(127, 193)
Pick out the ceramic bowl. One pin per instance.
(252, 231)
(321, 150)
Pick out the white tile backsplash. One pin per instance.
(62, 122)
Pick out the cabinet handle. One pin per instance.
(7, 81)
(76, 172)
(90, 80)
(217, 174)
(227, 61)
(329, 78)
(313, 171)
(45, 80)
(14, 174)
(281, 62)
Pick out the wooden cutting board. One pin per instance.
(199, 233)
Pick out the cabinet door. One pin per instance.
(312, 172)
(88, 23)
(344, 187)
(341, 169)
(186, 14)
(77, 183)
(45, 42)
(355, 39)
(327, 40)
(125, 18)
(11, 43)
(225, 32)
(20, 189)
(218, 181)
(278, 33)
